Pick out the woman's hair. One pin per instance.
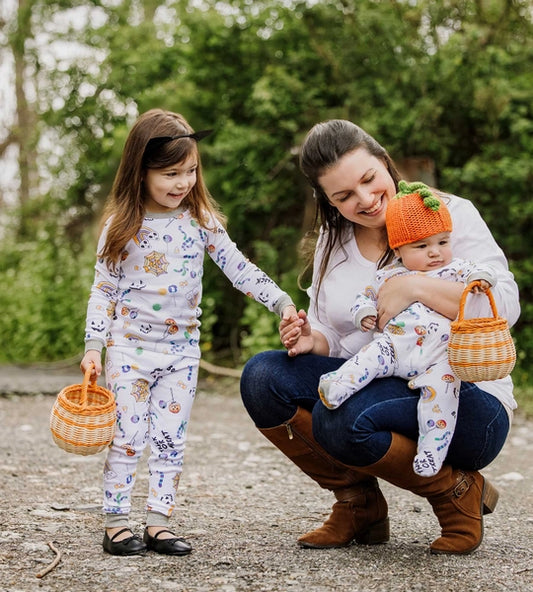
(325, 144)
(126, 202)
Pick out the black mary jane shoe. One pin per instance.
(132, 545)
(171, 546)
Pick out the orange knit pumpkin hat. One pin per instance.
(414, 213)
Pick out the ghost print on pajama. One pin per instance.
(146, 313)
(413, 346)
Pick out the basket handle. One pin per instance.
(467, 291)
(85, 384)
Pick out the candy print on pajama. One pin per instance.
(153, 407)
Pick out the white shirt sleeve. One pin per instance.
(472, 240)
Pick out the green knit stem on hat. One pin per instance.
(430, 201)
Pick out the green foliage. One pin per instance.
(259, 331)
(44, 297)
(448, 80)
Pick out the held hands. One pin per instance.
(295, 331)
(92, 356)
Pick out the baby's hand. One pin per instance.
(483, 287)
(368, 323)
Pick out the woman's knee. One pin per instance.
(482, 428)
(338, 433)
(255, 378)
(264, 389)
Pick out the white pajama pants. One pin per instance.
(153, 406)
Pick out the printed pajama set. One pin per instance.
(147, 316)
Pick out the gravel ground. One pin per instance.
(242, 506)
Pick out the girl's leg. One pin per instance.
(131, 392)
(279, 392)
(170, 410)
(171, 402)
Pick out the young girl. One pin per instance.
(145, 308)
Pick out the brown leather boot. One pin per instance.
(360, 512)
(458, 498)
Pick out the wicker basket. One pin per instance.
(83, 417)
(481, 348)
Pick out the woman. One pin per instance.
(374, 433)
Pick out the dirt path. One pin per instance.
(242, 506)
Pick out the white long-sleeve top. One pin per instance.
(153, 299)
(350, 273)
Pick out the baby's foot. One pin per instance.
(427, 463)
(332, 392)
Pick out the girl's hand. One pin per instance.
(296, 335)
(290, 326)
(92, 357)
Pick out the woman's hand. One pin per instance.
(395, 295)
(94, 357)
(399, 292)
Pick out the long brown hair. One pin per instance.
(126, 202)
(325, 144)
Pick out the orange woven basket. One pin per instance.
(481, 348)
(83, 417)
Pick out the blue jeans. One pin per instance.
(358, 433)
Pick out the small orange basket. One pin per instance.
(83, 417)
(480, 348)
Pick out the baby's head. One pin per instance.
(419, 227)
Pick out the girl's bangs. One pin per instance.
(170, 153)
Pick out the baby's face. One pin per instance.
(425, 255)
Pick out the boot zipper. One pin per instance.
(289, 431)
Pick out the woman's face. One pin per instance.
(360, 187)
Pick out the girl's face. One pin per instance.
(360, 187)
(427, 254)
(166, 188)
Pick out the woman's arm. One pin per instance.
(399, 292)
(473, 241)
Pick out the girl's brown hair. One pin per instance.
(126, 202)
(325, 144)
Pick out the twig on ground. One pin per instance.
(220, 370)
(50, 567)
